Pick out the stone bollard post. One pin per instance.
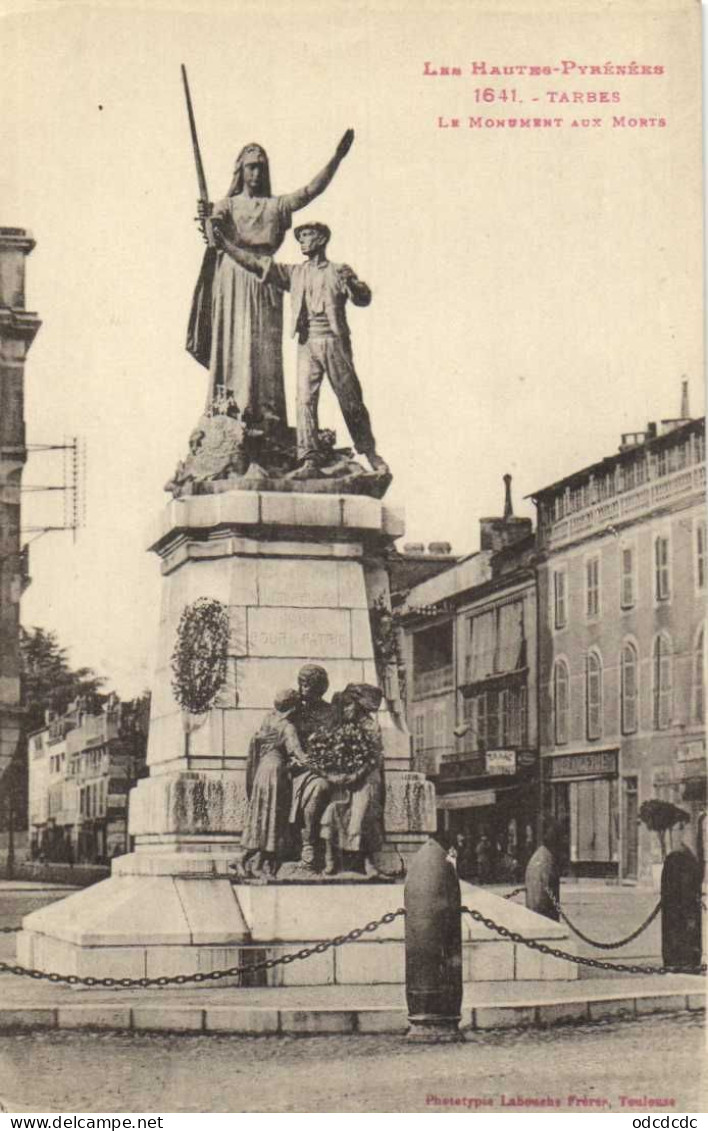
(433, 947)
(681, 909)
(542, 877)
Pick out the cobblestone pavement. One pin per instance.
(661, 1058)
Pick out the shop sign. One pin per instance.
(462, 766)
(501, 761)
(470, 799)
(595, 763)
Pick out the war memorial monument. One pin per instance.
(281, 807)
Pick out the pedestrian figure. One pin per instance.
(483, 853)
(681, 909)
(543, 874)
(464, 857)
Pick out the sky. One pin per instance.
(537, 291)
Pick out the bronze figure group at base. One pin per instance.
(315, 781)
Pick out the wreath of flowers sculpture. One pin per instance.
(347, 751)
(199, 657)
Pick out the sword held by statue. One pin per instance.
(205, 220)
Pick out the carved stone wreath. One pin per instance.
(199, 657)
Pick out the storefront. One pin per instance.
(91, 841)
(487, 804)
(581, 793)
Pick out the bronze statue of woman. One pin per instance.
(236, 322)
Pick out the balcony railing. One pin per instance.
(439, 679)
(626, 505)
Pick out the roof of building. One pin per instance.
(675, 430)
(415, 566)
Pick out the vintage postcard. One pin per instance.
(353, 575)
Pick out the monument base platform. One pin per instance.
(147, 923)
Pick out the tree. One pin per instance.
(660, 817)
(48, 682)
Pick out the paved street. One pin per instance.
(657, 1057)
(18, 899)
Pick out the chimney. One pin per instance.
(685, 413)
(497, 533)
(15, 246)
(508, 505)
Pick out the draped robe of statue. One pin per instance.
(236, 321)
(272, 751)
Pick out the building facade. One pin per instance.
(469, 645)
(81, 768)
(18, 328)
(621, 593)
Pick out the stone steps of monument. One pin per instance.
(138, 926)
(337, 1009)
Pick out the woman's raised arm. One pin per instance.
(303, 196)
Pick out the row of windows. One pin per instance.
(496, 719)
(631, 473)
(89, 762)
(662, 689)
(430, 730)
(92, 799)
(629, 592)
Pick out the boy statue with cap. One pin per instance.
(319, 291)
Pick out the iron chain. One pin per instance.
(593, 942)
(555, 952)
(514, 893)
(341, 940)
(199, 978)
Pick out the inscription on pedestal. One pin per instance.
(299, 632)
(307, 584)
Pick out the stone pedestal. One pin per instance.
(296, 574)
